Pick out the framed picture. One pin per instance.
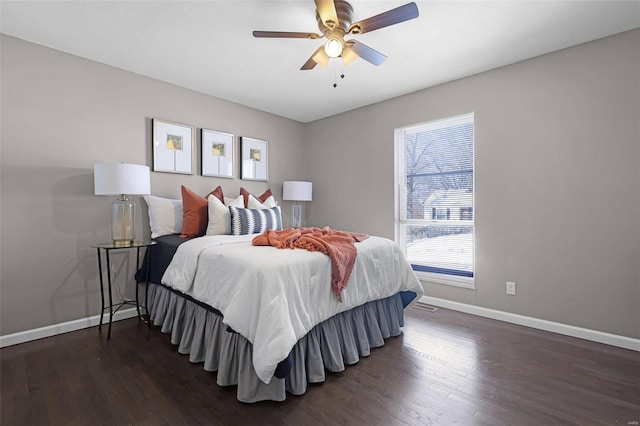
(173, 147)
(254, 159)
(217, 153)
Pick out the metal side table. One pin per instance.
(107, 248)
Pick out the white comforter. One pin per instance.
(273, 297)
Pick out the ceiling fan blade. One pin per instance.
(327, 12)
(318, 57)
(285, 34)
(390, 17)
(366, 53)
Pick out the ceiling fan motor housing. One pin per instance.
(344, 11)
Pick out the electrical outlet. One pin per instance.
(511, 288)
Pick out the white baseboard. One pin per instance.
(65, 327)
(540, 324)
(555, 327)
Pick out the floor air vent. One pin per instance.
(425, 307)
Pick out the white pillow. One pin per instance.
(254, 203)
(165, 216)
(219, 216)
(270, 202)
(228, 200)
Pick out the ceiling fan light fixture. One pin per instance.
(333, 47)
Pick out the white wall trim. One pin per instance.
(65, 327)
(540, 324)
(444, 279)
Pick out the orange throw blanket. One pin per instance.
(338, 245)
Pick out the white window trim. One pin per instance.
(452, 280)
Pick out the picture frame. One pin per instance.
(254, 159)
(216, 153)
(173, 147)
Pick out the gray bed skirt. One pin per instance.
(340, 340)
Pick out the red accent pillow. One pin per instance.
(195, 211)
(262, 198)
(217, 193)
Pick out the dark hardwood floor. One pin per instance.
(447, 368)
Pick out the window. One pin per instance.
(466, 213)
(440, 213)
(434, 199)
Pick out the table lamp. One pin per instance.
(122, 179)
(296, 191)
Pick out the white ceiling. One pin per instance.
(207, 46)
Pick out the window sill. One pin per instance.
(463, 282)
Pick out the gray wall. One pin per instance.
(557, 176)
(557, 160)
(60, 115)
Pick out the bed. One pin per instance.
(265, 319)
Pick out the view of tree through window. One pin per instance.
(435, 173)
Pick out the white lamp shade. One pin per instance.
(296, 190)
(121, 178)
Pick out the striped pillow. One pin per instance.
(254, 221)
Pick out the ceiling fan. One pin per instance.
(334, 21)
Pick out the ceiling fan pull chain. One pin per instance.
(335, 73)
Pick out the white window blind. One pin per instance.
(434, 196)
